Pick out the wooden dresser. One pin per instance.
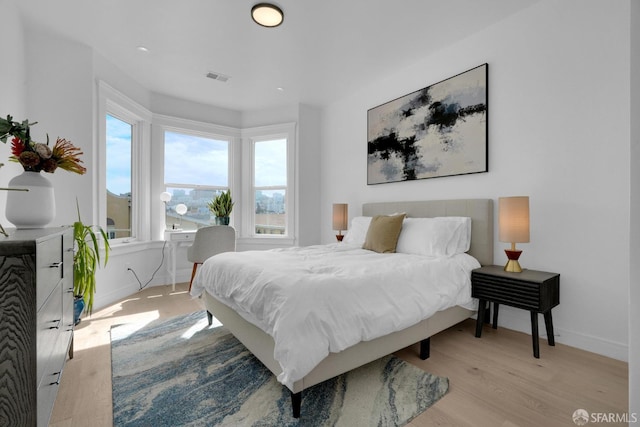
(36, 321)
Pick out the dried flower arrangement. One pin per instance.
(36, 156)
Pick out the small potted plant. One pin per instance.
(221, 206)
(86, 261)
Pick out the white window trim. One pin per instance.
(112, 102)
(249, 137)
(148, 169)
(205, 130)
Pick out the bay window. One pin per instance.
(194, 162)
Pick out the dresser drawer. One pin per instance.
(49, 268)
(46, 398)
(49, 325)
(50, 380)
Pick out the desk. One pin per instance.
(175, 239)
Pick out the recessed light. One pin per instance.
(267, 15)
(142, 49)
(281, 89)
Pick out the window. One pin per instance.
(193, 161)
(124, 135)
(270, 186)
(268, 183)
(196, 169)
(118, 137)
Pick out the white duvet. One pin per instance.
(320, 299)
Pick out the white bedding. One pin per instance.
(325, 298)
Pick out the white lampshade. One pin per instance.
(513, 219)
(181, 209)
(340, 216)
(165, 196)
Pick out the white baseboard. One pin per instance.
(520, 322)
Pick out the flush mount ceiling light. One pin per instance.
(267, 15)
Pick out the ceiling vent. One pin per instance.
(217, 76)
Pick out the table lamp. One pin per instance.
(513, 221)
(181, 209)
(165, 196)
(340, 218)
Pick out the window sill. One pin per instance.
(248, 243)
(131, 246)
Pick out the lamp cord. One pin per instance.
(153, 274)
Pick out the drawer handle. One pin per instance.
(57, 322)
(57, 381)
(56, 265)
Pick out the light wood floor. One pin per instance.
(494, 380)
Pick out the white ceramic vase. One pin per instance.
(34, 208)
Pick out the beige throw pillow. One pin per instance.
(383, 233)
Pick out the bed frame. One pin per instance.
(262, 345)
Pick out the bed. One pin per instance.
(263, 346)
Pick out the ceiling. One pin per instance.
(323, 50)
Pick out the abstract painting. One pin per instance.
(441, 130)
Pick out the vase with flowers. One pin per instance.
(30, 201)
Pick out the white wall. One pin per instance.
(308, 174)
(634, 253)
(14, 91)
(174, 107)
(60, 99)
(559, 132)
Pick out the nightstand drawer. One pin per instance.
(521, 294)
(515, 290)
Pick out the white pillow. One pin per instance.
(440, 236)
(357, 233)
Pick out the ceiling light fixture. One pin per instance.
(267, 15)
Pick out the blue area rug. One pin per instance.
(181, 372)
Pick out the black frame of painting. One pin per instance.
(440, 130)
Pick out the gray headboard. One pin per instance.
(479, 210)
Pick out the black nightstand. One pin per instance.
(536, 291)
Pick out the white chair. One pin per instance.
(208, 242)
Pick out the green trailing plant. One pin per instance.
(222, 204)
(86, 259)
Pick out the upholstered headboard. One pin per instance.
(479, 210)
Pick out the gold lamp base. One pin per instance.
(513, 266)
